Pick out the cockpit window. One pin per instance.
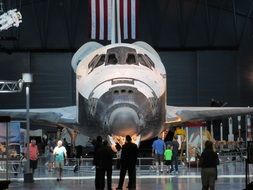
(112, 59)
(121, 56)
(93, 62)
(101, 61)
(131, 59)
(97, 61)
(149, 60)
(143, 61)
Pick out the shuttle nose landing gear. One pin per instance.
(114, 140)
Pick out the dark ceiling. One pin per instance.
(165, 24)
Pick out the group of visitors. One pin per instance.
(59, 154)
(169, 152)
(208, 160)
(103, 160)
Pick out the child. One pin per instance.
(168, 157)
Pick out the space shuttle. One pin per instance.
(121, 90)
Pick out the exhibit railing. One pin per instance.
(84, 167)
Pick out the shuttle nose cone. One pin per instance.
(124, 121)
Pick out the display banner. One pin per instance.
(14, 132)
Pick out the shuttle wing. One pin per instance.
(179, 115)
(50, 115)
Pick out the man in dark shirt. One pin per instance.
(174, 163)
(98, 145)
(128, 162)
(104, 157)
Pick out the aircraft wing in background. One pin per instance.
(179, 115)
(174, 115)
(48, 115)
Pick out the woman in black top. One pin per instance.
(208, 161)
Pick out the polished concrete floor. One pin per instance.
(156, 183)
(231, 177)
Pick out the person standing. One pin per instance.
(97, 146)
(104, 164)
(174, 162)
(208, 161)
(158, 148)
(128, 163)
(168, 157)
(49, 148)
(60, 154)
(34, 154)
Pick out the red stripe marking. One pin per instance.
(105, 20)
(121, 4)
(137, 18)
(97, 19)
(89, 13)
(129, 18)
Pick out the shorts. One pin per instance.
(59, 164)
(159, 158)
(168, 162)
(33, 164)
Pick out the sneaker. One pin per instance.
(176, 172)
(58, 179)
